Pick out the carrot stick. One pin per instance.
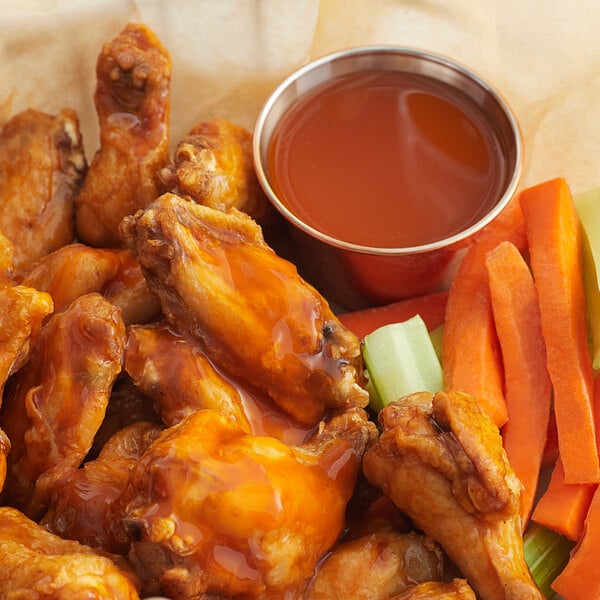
(555, 248)
(471, 358)
(563, 506)
(528, 389)
(431, 308)
(579, 580)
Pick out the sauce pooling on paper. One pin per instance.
(386, 159)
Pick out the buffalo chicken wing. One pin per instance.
(213, 165)
(35, 564)
(219, 282)
(214, 512)
(133, 102)
(56, 402)
(41, 170)
(441, 460)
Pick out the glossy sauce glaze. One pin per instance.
(386, 159)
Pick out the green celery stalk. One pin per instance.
(547, 554)
(401, 359)
(592, 299)
(588, 208)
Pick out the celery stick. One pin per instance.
(588, 208)
(436, 336)
(401, 359)
(592, 300)
(546, 553)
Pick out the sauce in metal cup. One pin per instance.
(384, 161)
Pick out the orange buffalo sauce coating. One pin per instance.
(386, 159)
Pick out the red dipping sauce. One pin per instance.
(386, 159)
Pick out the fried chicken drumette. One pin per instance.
(214, 512)
(37, 564)
(133, 102)
(219, 282)
(42, 165)
(441, 460)
(213, 165)
(54, 405)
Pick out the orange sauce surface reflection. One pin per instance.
(386, 159)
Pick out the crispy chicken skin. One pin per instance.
(35, 564)
(133, 103)
(80, 505)
(219, 281)
(376, 566)
(457, 589)
(213, 165)
(41, 170)
(72, 271)
(217, 513)
(56, 402)
(441, 460)
(172, 370)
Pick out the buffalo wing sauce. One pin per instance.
(386, 159)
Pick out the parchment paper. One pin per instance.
(228, 55)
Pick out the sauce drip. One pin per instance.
(386, 159)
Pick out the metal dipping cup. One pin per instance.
(352, 276)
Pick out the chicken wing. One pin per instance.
(219, 281)
(172, 370)
(214, 512)
(213, 165)
(376, 566)
(54, 405)
(80, 505)
(35, 564)
(72, 271)
(133, 102)
(457, 589)
(441, 460)
(41, 170)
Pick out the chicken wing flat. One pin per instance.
(376, 566)
(213, 165)
(80, 505)
(72, 271)
(219, 281)
(133, 103)
(441, 460)
(41, 170)
(55, 404)
(35, 564)
(457, 589)
(219, 513)
(128, 290)
(172, 370)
